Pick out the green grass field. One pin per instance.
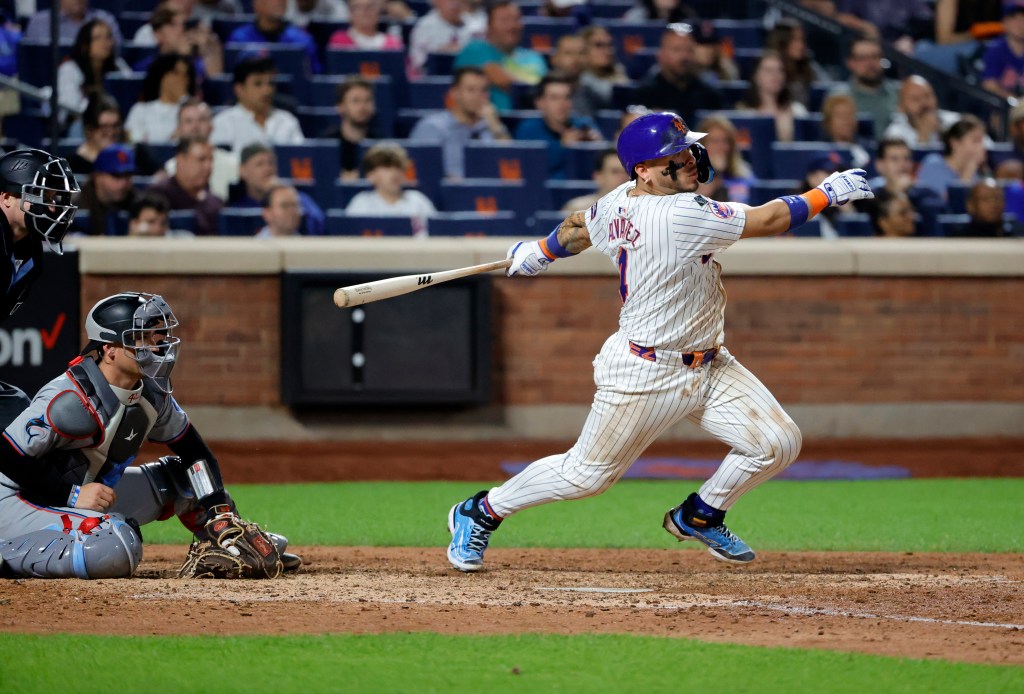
(956, 515)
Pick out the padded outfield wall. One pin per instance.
(857, 338)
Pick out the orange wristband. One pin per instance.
(816, 200)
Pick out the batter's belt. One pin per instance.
(691, 360)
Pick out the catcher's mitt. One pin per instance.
(234, 548)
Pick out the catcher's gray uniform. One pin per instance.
(80, 429)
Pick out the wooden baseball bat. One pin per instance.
(359, 294)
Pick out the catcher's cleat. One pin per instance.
(471, 530)
(685, 523)
(290, 563)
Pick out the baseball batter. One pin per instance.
(667, 361)
(71, 505)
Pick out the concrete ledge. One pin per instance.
(160, 256)
(820, 422)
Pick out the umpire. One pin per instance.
(37, 198)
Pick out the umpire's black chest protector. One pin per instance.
(21, 264)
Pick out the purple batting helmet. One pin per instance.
(653, 136)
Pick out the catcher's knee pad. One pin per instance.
(101, 547)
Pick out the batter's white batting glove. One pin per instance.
(527, 259)
(844, 186)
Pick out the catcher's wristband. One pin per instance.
(551, 248)
(73, 496)
(805, 207)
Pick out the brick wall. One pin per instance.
(811, 340)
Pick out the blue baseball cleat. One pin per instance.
(684, 523)
(471, 530)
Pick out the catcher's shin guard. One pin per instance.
(100, 547)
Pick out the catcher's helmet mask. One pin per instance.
(46, 187)
(142, 322)
(653, 136)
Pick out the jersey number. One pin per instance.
(623, 261)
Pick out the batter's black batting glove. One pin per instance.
(705, 171)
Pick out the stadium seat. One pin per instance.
(733, 91)
(746, 59)
(790, 159)
(951, 224)
(475, 224)
(510, 161)
(223, 24)
(808, 128)
(371, 65)
(817, 93)
(29, 129)
(956, 198)
(440, 63)
(131, 22)
(322, 29)
(854, 225)
(182, 220)
(998, 152)
(424, 169)
(640, 62)
(610, 9)
(313, 163)
(630, 37)
(126, 89)
(743, 33)
(341, 224)
(290, 59)
(763, 190)
(755, 135)
(921, 151)
(542, 33)
(343, 192)
(808, 230)
(542, 221)
(132, 53)
(406, 119)
(580, 157)
(513, 118)
(314, 120)
(239, 222)
(220, 90)
(561, 192)
(487, 195)
(608, 122)
(34, 63)
(429, 92)
(623, 95)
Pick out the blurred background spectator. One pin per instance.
(363, 31)
(385, 165)
(557, 125)
(282, 214)
(1003, 71)
(601, 72)
(788, 39)
(93, 56)
(102, 125)
(447, 27)
(986, 205)
(900, 22)
(960, 28)
(713, 61)
(172, 32)
(919, 120)
(608, 175)
(501, 57)
(170, 80)
(868, 85)
(189, 187)
(254, 118)
(73, 15)
(149, 218)
(109, 190)
(302, 12)
(733, 176)
(674, 85)
(839, 125)
(257, 174)
(270, 26)
(659, 10)
(356, 107)
(963, 156)
(206, 10)
(195, 120)
(769, 95)
(470, 117)
(894, 162)
(818, 169)
(892, 215)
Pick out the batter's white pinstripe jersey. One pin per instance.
(663, 247)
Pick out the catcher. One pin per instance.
(70, 505)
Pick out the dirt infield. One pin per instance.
(954, 607)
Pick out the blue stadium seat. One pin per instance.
(343, 192)
(519, 160)
(817, 93)
(624, 95)
(808, 128)
(34, 64)
(811, 230)
(755, 135)
(640, 62)
(580, 157)
(440, 63)
(66, 147)
(951, 224)
(956, 198)
(220, 90)
(313, 163)
(998, 152)
(733, 91)
(429, 92)
(610, 9)
(314, 120)
(744, 33)
(513, 118)
(475, 224)
(763, 190)
(921, 151)
(183, 220)
(341, 224)
(542, 221)
(322, 29)
(487, 195)
(542, 33)
(854, 225)
(561, 192)
(134, 52)
(131, 22)
(746, 59)
(234, 221)
(426, 165)
(371, 65)
(126, 89)
(322, 91)
(290, 59)
(29, 129)
(632, 36)
(790, 159)
(80, 224)
(608, 121)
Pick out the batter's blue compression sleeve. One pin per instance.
(804, 207)
(552, 248)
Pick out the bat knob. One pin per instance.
(340, 298)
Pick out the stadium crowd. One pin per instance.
(312, 117)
